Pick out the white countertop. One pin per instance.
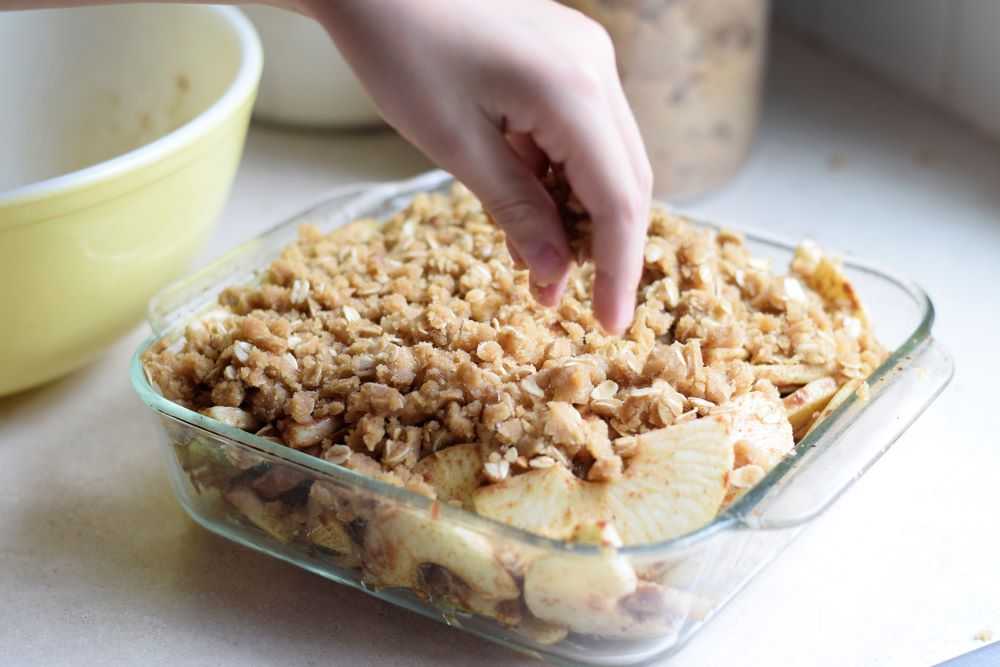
(99, 565)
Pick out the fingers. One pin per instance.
(588, 141)
(534, 159)
(643, 173)
(634, 145)
(619, 236)
(497, 173)
(550, 294)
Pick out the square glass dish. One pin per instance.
(475, 573)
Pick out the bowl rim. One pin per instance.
(240, 87)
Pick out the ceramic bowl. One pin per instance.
(121, 129)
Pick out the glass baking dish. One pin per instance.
(477, 580)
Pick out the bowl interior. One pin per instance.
(93, 83)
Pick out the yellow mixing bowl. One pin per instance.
(121, 129)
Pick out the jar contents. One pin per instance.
(692, 72)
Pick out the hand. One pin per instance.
(494, 92)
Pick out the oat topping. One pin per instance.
(393, 342)
(412, 352)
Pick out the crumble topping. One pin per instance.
(386, 343)
(412, 352)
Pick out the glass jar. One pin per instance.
(692, 71)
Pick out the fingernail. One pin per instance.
(536, 291)
(611, 327)
(547, 264)
(614, 310)
(549, 295)
(624, 314)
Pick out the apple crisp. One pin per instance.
(412, 351)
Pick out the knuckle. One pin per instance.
(580, 78)
(625, 207)
(600, 39)
(630, 271)
(586, 80)
(594, 33)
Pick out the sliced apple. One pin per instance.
(674, 483)
(598, 593)
(551, 502)
(274, 518)
(838, 399)
(400, 541)
(325, 530)
(763, 432)
(454, 472)
(803, 405)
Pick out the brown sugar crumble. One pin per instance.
(378, 344)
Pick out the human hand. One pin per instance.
(494, 94)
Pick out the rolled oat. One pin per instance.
(393, 342)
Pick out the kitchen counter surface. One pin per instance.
(98, 564)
